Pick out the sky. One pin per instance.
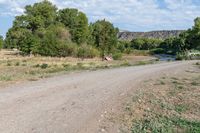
(131, 15)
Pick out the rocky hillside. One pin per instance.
(125, 35)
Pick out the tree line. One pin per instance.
(45, 30)
(188, 40)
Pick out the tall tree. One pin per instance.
(193, 37)
(105, 36)
(77, 22)
(36, 17)
(40, 15)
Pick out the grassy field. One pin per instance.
(171, 105)
(15, 68)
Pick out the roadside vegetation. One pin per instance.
(16, 68)
(44, 38)
(170, 105)
(45, 41)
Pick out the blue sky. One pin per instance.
(132, 15)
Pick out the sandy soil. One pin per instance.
(73, 103)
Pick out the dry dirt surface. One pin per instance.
(73, 103)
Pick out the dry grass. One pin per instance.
(171, 104)
(15, 68)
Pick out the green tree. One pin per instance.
(15, 37)
(105, 36)
(55, 41)
(40, 15)
(1, 42)
(137, 43)
(77, 22)
(145, 43)
(193, 35)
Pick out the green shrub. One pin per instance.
(17, 64)
(66, 65)
(117, 56)
(54, 41)
(9, 63)
(44, 66)
(86, 51)
(194, 54)
(5, 78)
(157, 51)
(128, 51)
(188, 55)
(80, 65)
(65, 50)
(38, 65)
(145, 43)
(182, 56)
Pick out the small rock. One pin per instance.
(103, 130)
(139, 101)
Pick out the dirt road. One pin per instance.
(72, 103)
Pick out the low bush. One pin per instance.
(9, 63)
(188, 55)
(181, 56)
(38, 65)
(117, 56)
(86, 51)
(44, 66)
(145, 43)
(157, 51)
(67, 50)
(5, 78)
(17, 64)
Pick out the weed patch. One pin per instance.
(5, 78)
(166, 110)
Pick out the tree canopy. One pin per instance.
(77, 22)
(45, 30)
(145, 43)
(104, 35)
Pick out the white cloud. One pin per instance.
(128, 14)
(12, 7)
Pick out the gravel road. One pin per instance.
(72, 103)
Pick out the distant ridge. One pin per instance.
(128, 36)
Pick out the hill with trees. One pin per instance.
(128, 36)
